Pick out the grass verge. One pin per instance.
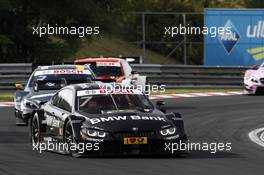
(116, 46)
(6, 96)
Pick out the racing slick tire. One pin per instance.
(69, 139)
(36, 128)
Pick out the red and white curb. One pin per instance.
(6, 104)
(208, 94)
(167, 96)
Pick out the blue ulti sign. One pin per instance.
(243, 46)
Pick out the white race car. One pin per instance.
(254, 80)
(114, 70)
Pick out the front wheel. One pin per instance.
(36, 129)
(70, 140)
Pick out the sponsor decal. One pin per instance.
(52, 122)
(93, 139)
(50, 84)
(68, 71)
(79, 67)
(135, 140)
(172, 137)
(256, 31)
(88, 92)
(115, 64)
(119, 118)
(108, 91)
(62, 71)
(229, 39)
(257, 53)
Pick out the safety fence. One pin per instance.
(173, 76)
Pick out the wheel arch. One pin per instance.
(76, 123)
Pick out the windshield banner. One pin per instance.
(62, 71)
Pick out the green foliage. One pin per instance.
(17, 17)
(115, 17)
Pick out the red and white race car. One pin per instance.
(254, 80)
(113, 70)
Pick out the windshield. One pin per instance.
(107, 103)
(108, 71)
(55, 81)
(106, 68)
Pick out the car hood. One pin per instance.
(127, 121)
(259, 73)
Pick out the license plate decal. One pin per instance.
(135, 140)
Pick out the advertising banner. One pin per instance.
(243, 45)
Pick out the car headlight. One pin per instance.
(254, 79)
(94, 133)
(24, 104)
(168, 131)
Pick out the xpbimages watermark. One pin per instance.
(173, 31)
(65, 147)
(80, 31)
(212, 147)
(147, 89)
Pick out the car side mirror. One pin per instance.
(134, 75)
(134, 72)
(19, 86)
(159, 105)
(36, 86)
(63, 82)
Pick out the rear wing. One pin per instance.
(129, 59)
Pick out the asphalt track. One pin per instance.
(210, 119)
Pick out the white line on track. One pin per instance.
(201, 94)
(257, 136)
(235, 92)
(185, 95)
(166, 96)
(219, 93)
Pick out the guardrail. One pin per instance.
(13, 73)
(193, 77)
(173, 76)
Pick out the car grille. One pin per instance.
(120, 135)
